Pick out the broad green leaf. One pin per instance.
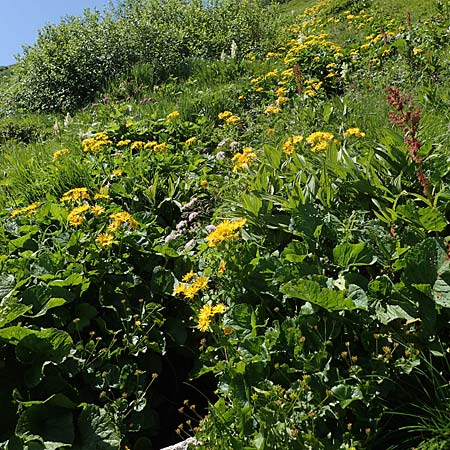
(346, 394)
(311, 291)
(295, 252)
(251, 203)
(11, 309)
(351, 255)
(432, 219)
(7, 285)
(423, 261)
(273, 156)
(47, 424)
(391, 312)
(97, 429)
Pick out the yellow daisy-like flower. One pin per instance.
(180, 289)
(117, 172)
(201, 283)
(150, 145)
(119, 218)
(124, 143)
(225, 231)
(224, 115)
(222, 267)
(319, 141)
(271, 109)
(188, 276)
(204, 318)
(97, 210)
(355, 132)
(75, 220)
(105, 239)
(30, 210)
(244, 159)
(101, 196)
(190, 141)
(160, 147)
(58, 153)
(137, 145)
(173, 115)
(232, 120)
(75, 194)
(191, 291)
(219, 309)
(288, 147)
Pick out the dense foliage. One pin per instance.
(268, 237)
(71, 61)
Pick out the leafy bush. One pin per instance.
(71, 62)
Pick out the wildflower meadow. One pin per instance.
(228, 221)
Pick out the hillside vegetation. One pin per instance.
(228, 221)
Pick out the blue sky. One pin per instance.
(21, 19)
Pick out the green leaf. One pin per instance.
(295, 252)
(11, 309)
(47, 424)
(97, 430)
(273, 156)
(352, 255)
(432, 219)
(346, 394)
(7, 285)
(310, 291)
(423, 261)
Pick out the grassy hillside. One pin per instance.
(252, 249)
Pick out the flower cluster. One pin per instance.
(30, 210)
(289, 145)
(117, 219)
(243, 160)
(173, 115)
(190, 290)
(96, 143)
(75, 194)
(229, 117)
(355, 132)
(58, 153)
(207, 312)
(319, 141)
(225, 231)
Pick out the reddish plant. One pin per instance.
(407, 116)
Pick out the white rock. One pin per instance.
(182, 445)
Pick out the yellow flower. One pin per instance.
(180, 289)
(191, 291)
(75, 194)
(319, 141)
(219, 309)
(188, 276)
(297, 139)
(190, 141)
(105, 239)
(137, 145)
(417, 51)
(75, 220)
(224, 115)
(204, 184)
(222, 267)
(201, 283)
(150, 145)
(225, 231)
(101, 196)
(271, 109)
(288, 147)
(232, 119)
(59, 153)
(160, 147)
(356, 132)
(97, 210)
(204, 318)
(30, 210)
(119, 218)
(173, 115)
(117, 172)
(244, 159)
(123, 143)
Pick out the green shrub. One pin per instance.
(71, 62)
